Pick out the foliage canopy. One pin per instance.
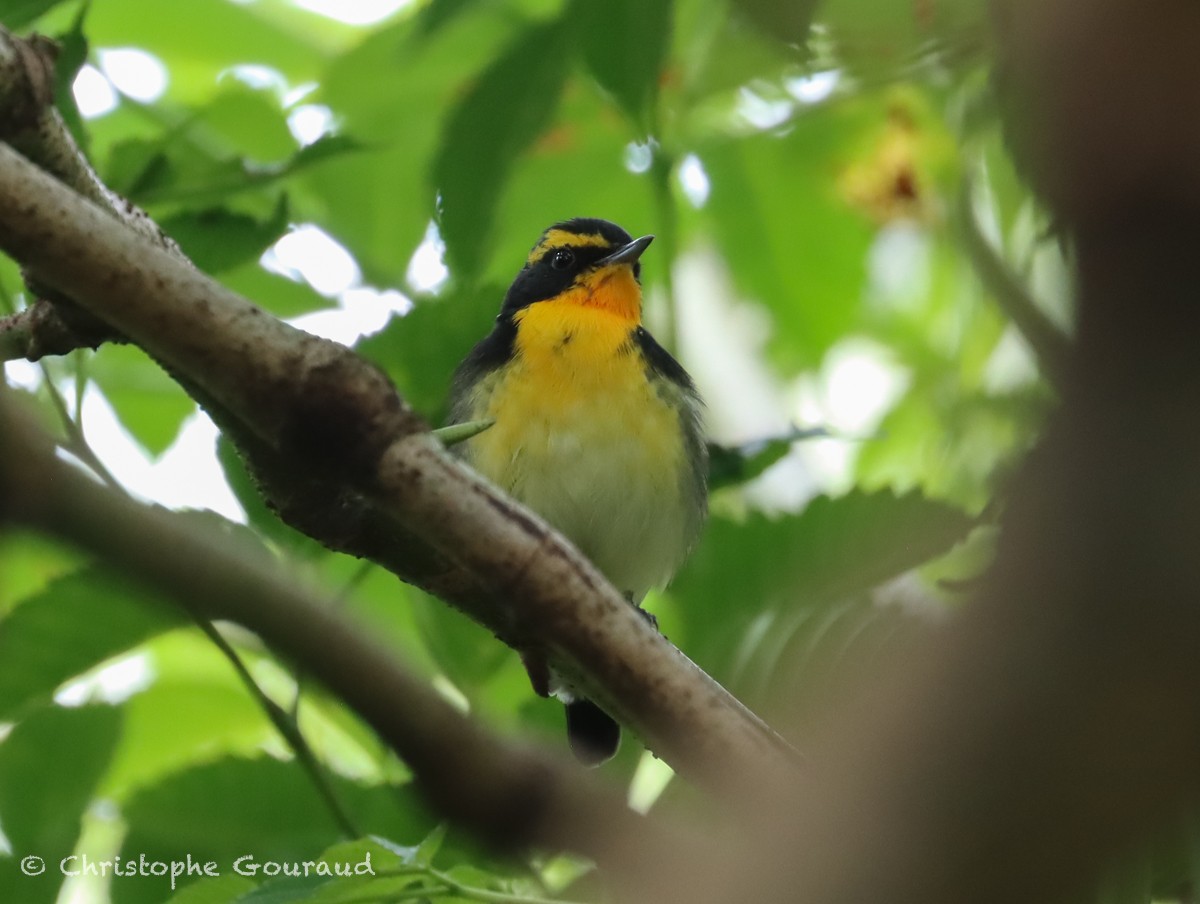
(813, 173)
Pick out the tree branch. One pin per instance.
(31, 124)
(510, 797)
(1051, 728)
(1050, 346)
(348, 462)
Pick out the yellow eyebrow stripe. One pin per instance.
(557, 238)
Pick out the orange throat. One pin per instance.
(612, 289)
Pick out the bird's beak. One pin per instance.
(626, 254)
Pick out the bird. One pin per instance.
(595, 426)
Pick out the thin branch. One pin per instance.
(286, 724)
(76, 443)
(661, 171)
(29, 122)
(1051, 347)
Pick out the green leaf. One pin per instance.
(29, 562)
(221, 719)
(327, 147)
(73, 625)
(578, 169)
(460, 433)
(249, 121)
(218, 239)
(509, 105)
(200, 39)
(790, 241)
(430, 845)
(16, 14)
(281, 296)
(72, 54)
(732, 465)
(186, 168)
(49, 767)
(264, 808)
(260, 516)
(438, 13)
(380, 203)
(878, 39)
(835, 549)
(223, 889)
(290, 890)
(362, 859)
(625, 44)
(788, 22)
(467, 653)
(148, 403)
(420, 349)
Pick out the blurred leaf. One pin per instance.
(273, 292)
(16, 14)
(203, 38)
(790, 242)
(380, 203)
(625, 45)
(223, 889)
(732, 465)
(29, 562)
(430, 845)
(149, 404)
(420, 350)
(133, 163)
(49, 766)
(71, 626)
(158, 171)
(437, 13)
(881, 40)
(510, 103)
(249, 121)
(327, 147)
(374, 853)
(467, 653)
(782, 20)
(222, 720)
(260, 516)
(218, 239)
(72, 54)
(834, 549)
(261, 807)
(577, 168)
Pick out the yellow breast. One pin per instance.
(585, 438)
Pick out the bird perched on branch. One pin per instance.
(596, 427)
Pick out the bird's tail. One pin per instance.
(593, 734)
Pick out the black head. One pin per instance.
(568, 252)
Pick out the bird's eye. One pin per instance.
(562, 259)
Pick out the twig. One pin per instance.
(287, 725)
(661, 170)
(1050, 345)
(76, 443)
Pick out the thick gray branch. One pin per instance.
(509, 797)
(30, 123)
(311, 407)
